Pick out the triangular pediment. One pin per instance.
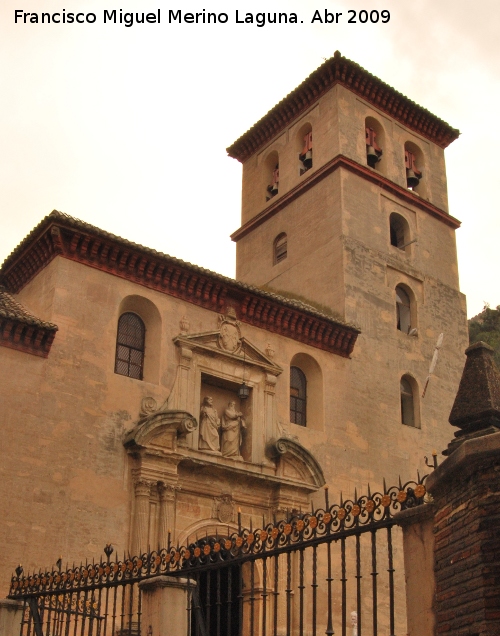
(242, 349)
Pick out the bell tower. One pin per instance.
(345, 207)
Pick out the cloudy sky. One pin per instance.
(126, 128)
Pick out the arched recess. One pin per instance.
(314, 389)
(375, 145)
(151, 318)
(416, 177)
(304, 147)
(406, 310)
(271, 175)
(409, 401)
(399, 231)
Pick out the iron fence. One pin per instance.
(310, 573)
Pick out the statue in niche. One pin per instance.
(209, 427)
(233, 425)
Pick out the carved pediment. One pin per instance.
(228, 344)
(296, 463)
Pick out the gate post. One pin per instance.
(466, 491)
(165, 603)
(11, 613)
(418, 547)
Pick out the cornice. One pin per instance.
(59, 234)
(340, 70)
(340, 161)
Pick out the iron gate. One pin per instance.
(307, 574)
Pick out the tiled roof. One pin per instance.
(61, 234)
(340, 70)
(21, 330)
(12, 309)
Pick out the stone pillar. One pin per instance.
(141, 516)
(11, 613)
(167, 521)
(466, 491)
(165, 605)
(418, 546)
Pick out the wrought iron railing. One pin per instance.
(287, 576)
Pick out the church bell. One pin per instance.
(307, 159)
(412, 180)
(372, 156)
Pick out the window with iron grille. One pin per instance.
(280, 248)
(130, 346)
(298, 397)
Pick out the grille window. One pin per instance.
(130, 346)
(298, 397)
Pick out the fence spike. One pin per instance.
(355, 495)
(369, 492)
(400, 483)
(385, 487)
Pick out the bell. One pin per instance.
(308, 160)
(412, 180)
(273, 189)
(371, 156)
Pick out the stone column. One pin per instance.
(141, 516)
(166, 606)
(418, 547)
(11, 613)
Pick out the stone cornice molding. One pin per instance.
(340, 70)
(59, 234)
(340, 161)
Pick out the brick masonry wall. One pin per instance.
(467, 550)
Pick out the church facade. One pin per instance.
(147, 400)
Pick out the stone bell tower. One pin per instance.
(345, 207)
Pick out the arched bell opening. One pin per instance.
(375, 144)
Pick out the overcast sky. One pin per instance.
(126, 128)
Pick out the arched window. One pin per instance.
(407, 403)
(298, 396)
(130, 346)
(280, 248)
(399, 231)
(403, 310)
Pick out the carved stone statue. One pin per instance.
(232, 428)
(209, 427)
